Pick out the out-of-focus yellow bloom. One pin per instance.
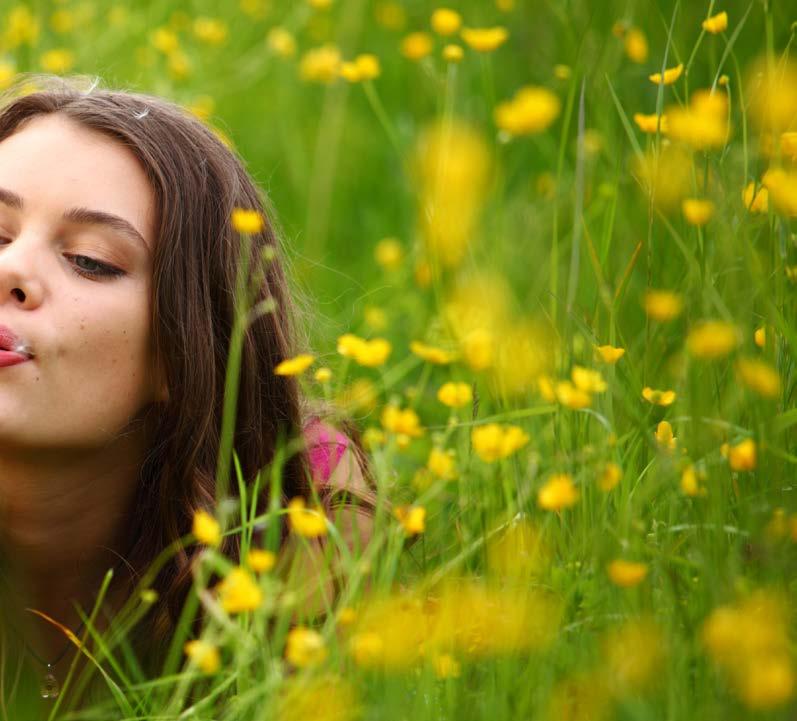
(307, 522)
(62, 21)
(373, 437)
(760, 337)
(323, 375)
(412, 519)
(670, 75)
(609, 354)
(281, 42)
(664, 436)
(446, 666)
(749, 640)
(558, 492)
(239, 592)
(659, 398)
(634, 656)
(587, 380)
(712, 339)
(691, 482)
(305, 648)
(256, 9)
(248, 222)
(759, 376)
(755, 201)
(204, 654)
(742, 456)
(484, 40)
(179, 65)
(403, 422)
(626, 574)
(531, 110)
(446, 21)
(493, 441)
(583, 697)
(294, 366)
(21, 28)
(211, 31)
(520, 552)
(260, 560)
(206, 529)
(390, 15)
(320, 4)
(360, 396)
(610, 476)
(697, 211)
(363, 67)
(202, 106)
(651, 123)
(663, 305)
(782, 187)
(636, 45)
(665, 176)
(57, 61)
(165, 40)
(7, 74)
(716, 23)
(389, 253)
(702, 125)
(320, 697)
(442, 463)
(571, 396)
(369, 353)
(321, 64)
(455, 395)
(788, 145)
(453, 53)
(346, 616)
(375, 318)
(562, 72)
(452, 166)
(416, 46)
(431, 354)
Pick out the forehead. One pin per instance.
(56, 164)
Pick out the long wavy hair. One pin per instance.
(197, 182)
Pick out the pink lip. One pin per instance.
(9, 358)
(12, 351)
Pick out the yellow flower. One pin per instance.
(697, 211)
(690, 482)
(453, 53)
(323, 375)
(557, 493)
(670, 75)
(788, 145)
(210, 30)
(389, 253)
(360, 396)
(165, 40)
(446, 666)
(659, 398)
(531, 110)
(588, 380)
(390, 15)
(755, 201)
(321, 64)
(742, 456)
(320, 4)
(663, 305)
(281, 42)
(636, 45)
(760, 337)
(759, 376)
(431, 354)
(416, 46)
(401, 422)
(248, 222)
(493, 442)
(206, 529)
(260, 561)
(571, 396)
(346, 616)
(609, 354)
(627, 573)
(446, 21)
(664, 437)
(62, 21)
(412, 519)
(369, 353)
(782, 187)
(716, 23)
(239, 592)
(363, 67)
(562, 72)
(307, 522)
(20, 27)
(294, 366)
(610, 476)
(203, 654)
(442, 463)
(305, 648)
(703, 125)
(650, 123)
(484, 40)
(57, 61)
(712, 339)
(634, 655)
(7, 74)
(455, 395)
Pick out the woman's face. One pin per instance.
(77, 226)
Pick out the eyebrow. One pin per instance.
(83, 216)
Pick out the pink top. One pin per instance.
(326, 447)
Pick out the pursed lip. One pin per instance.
(10, 341)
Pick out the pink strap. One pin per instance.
(322, 449)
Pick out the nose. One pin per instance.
(20, 283)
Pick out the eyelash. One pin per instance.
(103, 271)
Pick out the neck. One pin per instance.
(64, 520)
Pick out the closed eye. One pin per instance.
(87, 267)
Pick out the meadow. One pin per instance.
(547, 255)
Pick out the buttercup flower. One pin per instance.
(610, 476)
(651, 123)
(759, 376)
(294, 366)
(532, 110)
(627, 573)
(412, 518)
(306, 522)
(446, 21)
(239, 592)
(206, 529)
(756, 201)
(431, 354)
(455, 395)
(697, 211)
(305, 648)
(260, 560)
(484, 40)
(663, 305)
(742, 456)
(659, 398)
(416, 46)
(493, 442)
(636, 45)
(609, 354)
(203, 654)
(712, 339)
(716, 23)
(669, 77)
(248, 222)
(557, 493)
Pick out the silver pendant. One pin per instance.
(50, 687)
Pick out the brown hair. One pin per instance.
(197, 182)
